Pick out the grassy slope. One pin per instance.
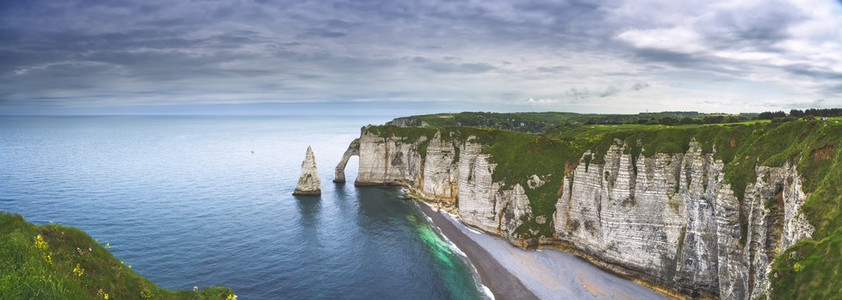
(812, 269)
(809, 269)
(63, 262)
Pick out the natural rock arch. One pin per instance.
(353, 149)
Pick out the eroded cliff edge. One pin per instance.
(661, 208)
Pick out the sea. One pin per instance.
(200, 201)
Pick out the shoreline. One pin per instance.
(502, 283)
(542, 274)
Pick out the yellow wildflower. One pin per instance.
(798, 267)
(79, 271)
(195, 288)
(102, 294)
(130, 266)
(146, 293)
(40, 243)
(107, 245)
(51, 222)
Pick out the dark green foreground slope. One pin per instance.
(63, 262)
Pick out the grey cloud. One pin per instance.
(811, 72)
(553, 69)
(322, 33)
(581, 94)
(458, 68)
(769, 23)
(639, 86)
(608, 91)
(696, 61)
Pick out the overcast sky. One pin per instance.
(425, 56)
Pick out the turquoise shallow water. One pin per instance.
(186, 202)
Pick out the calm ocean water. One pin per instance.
(186, 202)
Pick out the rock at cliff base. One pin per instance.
(309, 182)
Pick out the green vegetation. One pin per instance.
(523, 122)
(808, 113)
(61, 262)
(811, 269)
(520, 156)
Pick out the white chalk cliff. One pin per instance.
(670, 219)
(309, 182)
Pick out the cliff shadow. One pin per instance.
(344, 196)
(378, 206)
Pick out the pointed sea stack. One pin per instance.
(309, 182)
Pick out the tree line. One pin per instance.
(796, 113)
(673, 121)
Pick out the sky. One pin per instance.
(412, 57)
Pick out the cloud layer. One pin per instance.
(603, 56)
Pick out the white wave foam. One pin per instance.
(450, 243)
(469, 228)
(486, 291)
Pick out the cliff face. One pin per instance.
(670, 218)
(453, 173)
(674, 219)
(482, 202)
(388, 160)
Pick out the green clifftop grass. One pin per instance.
(808, 270)
(62, 262)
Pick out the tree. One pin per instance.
(768, 115)
(796, 113)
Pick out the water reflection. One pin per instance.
(308, 208)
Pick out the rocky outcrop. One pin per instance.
(669, 219)
(407, 122)
(353, 149)
(772, 205)
(673, 220)
(388, 160)
(651, 215)
(396, 161)
(309, 182)
(482, 203)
